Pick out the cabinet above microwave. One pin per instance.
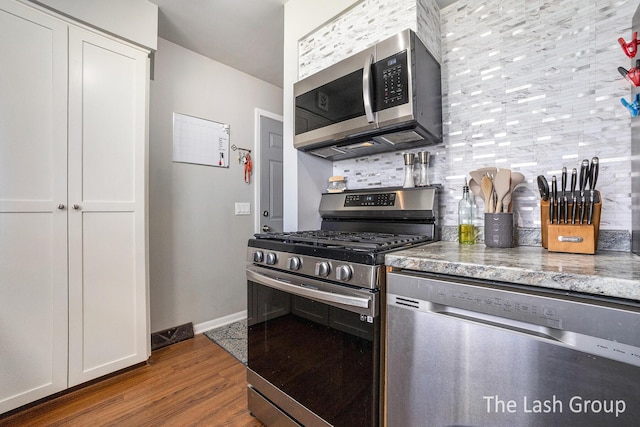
(385, 98)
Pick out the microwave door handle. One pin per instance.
(366, 89)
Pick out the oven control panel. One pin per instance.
(354, 274)
(379, 199)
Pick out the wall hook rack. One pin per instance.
(630, 49)
(633, 107)
(234, 148)
(632, 75)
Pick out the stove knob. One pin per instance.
(258, 256)
(344, 273)
(323, 269)
(272, 259)
(294, 263)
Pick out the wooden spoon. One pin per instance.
(475, 188)
(487, 188)
(476, 176)
(491, 170)
(516, 179)
(502, 185)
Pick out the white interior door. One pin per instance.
(107, 254)
(33, 230)
(271, 207)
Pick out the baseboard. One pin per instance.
(221, 321)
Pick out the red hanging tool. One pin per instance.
(633, 75)
(630, 49)
(248, 166)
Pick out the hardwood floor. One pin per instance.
(191, 383)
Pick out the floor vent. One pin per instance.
(171, 336)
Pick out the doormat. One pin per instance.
(232, 338)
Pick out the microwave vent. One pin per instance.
(360, 145)
(328, 152)
(400, 137)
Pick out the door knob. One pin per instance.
(60, 206)
(76, 207)
(266, 228)
(265, 213)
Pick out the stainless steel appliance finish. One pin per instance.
(314, 308)
(387, 97)
(464, 352)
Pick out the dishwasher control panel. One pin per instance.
(448, 297)
(595, 327)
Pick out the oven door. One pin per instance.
(313, 349)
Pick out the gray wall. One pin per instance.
(196, 243)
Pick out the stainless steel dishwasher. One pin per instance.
(474, 353)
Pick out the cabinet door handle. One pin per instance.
(76, 207)
(60, 206)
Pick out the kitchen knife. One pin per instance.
(543, 186)
(582, 209)
(565, 212)
(559, 209)
(584, 175)
(564, 180)
(574, 177)
(595, 168)
(552, 198)
(584, 169)
(590, 215)
(574, 209)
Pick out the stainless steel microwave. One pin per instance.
(385, 98)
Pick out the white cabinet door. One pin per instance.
(107, 258)
(33, 182)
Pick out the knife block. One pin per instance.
(570, 238)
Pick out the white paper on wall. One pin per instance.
(200, 141)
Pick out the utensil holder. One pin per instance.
(498, 230)
(571, 238)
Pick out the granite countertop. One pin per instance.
(607, 273)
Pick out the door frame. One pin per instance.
(259, 113)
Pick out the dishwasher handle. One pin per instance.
(504, 323)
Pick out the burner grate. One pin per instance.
(364, 241)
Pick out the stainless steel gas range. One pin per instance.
(316, 303)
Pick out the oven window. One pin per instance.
(322, 356)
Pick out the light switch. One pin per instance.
(243, 208)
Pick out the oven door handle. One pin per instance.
(293, 285)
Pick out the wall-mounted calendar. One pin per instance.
(200, 141)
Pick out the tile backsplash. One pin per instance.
(530, 85)
(365, 24)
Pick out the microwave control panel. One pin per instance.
(392, 81)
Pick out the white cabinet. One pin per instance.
(73, 294)
(33, 182)
(107, 256)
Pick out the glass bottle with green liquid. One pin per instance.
(466, 215)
